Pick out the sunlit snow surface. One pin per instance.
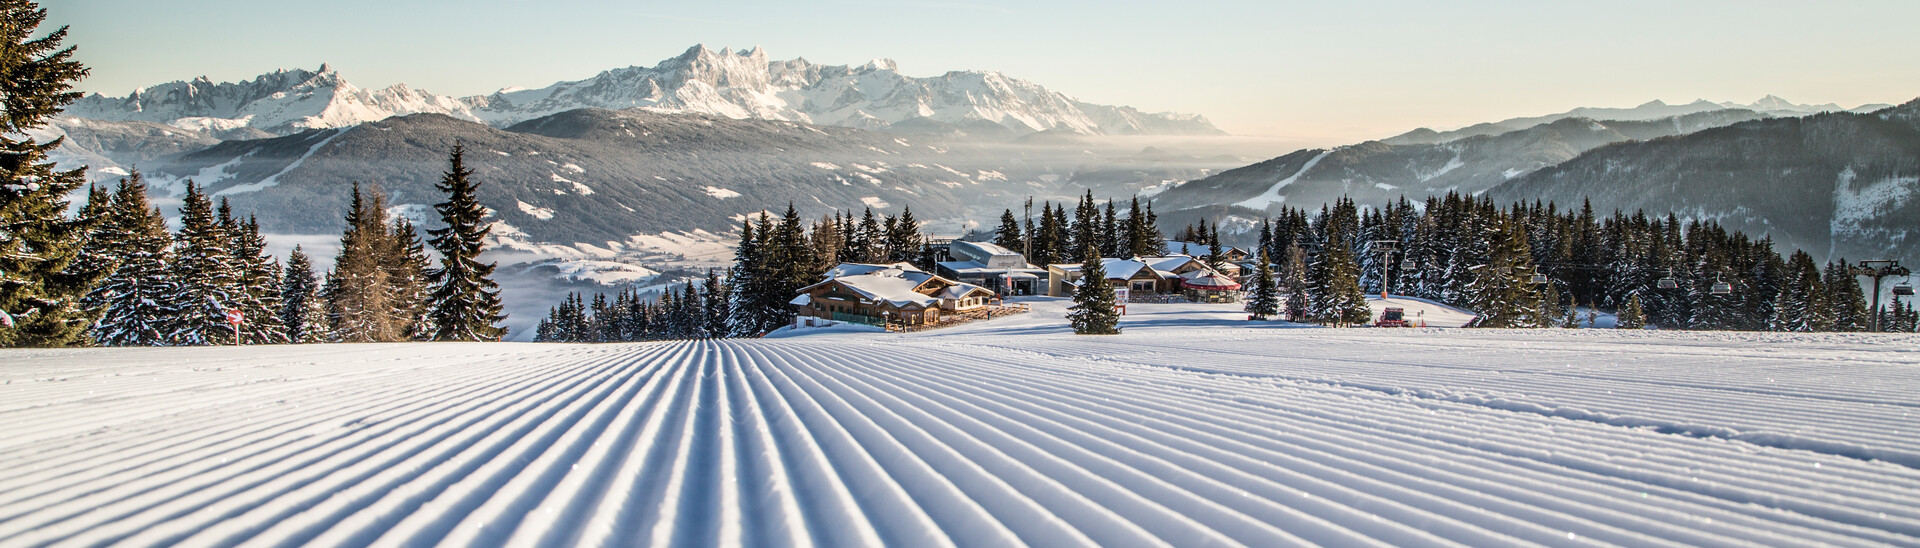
(1195, 427)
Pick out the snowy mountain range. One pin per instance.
(1376, 171)
(735, 84)
(1838, 184)
(1652, 110)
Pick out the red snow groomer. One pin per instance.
(1393, 317)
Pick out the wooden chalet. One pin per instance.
(875, 294)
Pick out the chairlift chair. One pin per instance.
(1903, 289)
(1539, 278)
(1722, 288)
(1408, 264)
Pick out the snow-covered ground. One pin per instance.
(1193, 427)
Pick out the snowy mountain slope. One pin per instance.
(280, 103)
(1186, 430)
(112, 149)
(739, 85)
(1839, 185)
(1652, 110)
(1374, 172)
(590, 176)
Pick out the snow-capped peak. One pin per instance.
(742, 83)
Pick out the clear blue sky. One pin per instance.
(1316, 72)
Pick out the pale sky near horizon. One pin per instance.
(1315, 73)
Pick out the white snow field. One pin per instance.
(1195, 427)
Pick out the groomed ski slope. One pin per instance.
(1193, 428)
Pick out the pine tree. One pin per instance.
(1844, 298)
(1155, 242)
(39, 294)
(1112, 240)
(1503, 291)
(133, 299)
(1215, 258)
(871, 240)
(100, 249)
(1631, 316)
(904, 243)
(408, 276)
(1801, 303)
(1009, 236)
(1264, 301)
(359, 303)
(206, 274)
(714, 303)
(1340, 301)
(258, 276)
(1294, 271)
(301, 310)
(465, 300)
(1046, 238)
(749, 265)
(1093, 312)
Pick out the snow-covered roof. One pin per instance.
(975, 267)
(1117, 269)
(1168, 263)
(856, 269)
(987, 254)
(887, 286)
(802, 300)
(892, 284)
(960, 291)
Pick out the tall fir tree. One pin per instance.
(208, 279)
(357, 292)
(1502, 291)
(715, 306)
(871, 246)
(1263, 301)
(904, 243)
(408, 274)
(746, 279)
(1112, 240)
(465, 304)
(1009, 236)
(1093, 311)
(1156, 241)
(101, 249)
(258, 276)
(1298, 306)
(39, 292)
(133, 299)
(301, 312)
(1801, 303)
(1844, 299)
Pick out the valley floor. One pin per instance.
(1194, 427)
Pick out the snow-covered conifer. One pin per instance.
(1093, 310)
(207, 278)
(1263, 302)
(39, 294)
(133, 299)
(301, 312)
(465, 304)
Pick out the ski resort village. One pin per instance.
(734, 300)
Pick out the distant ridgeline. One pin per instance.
(1521, 266)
